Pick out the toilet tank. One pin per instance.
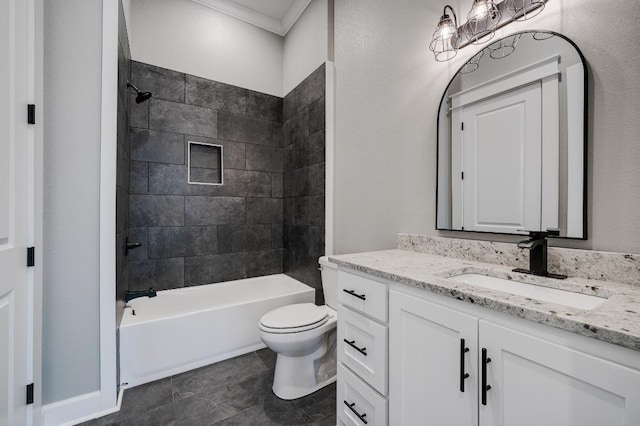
(329, 272)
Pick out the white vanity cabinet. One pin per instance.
(536, 382)
(534, 375)
(432, 350)
(363, 355)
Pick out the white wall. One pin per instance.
(383, 159)
(72, 75)
(187, 37)
(306, 44)
(388, 90)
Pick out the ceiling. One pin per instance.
(277, 16)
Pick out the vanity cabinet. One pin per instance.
(516, 376)
(536, 382)
(432, 350)
(363, 355)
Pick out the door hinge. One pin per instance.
(31, 114)
(30, 393)
(462, 126)
(31, 256)
(462, 175)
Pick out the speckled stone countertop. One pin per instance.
(615, 321)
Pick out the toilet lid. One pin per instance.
(301, 315)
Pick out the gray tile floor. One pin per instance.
(232, 392)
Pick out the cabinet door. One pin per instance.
(535, 382)
(425, 364)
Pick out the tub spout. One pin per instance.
(130, 295)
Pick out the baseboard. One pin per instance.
(76, 410)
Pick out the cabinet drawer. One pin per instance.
(357, 401)
(362, 346)
(364, 295)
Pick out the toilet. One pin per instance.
(304, 337)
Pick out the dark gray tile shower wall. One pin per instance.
(123, 158)
(201, 234)
(304, 180)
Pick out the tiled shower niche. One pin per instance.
(204, 164)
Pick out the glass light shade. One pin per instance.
(482, 20)
(521, 10)
(444, 42)
(505, 47)
(483, 10)
(473, 63)
(478, 32)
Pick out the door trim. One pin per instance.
(36, 96)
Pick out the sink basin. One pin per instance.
(546, 294)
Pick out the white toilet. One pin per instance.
(304, 337)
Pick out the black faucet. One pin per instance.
(130, 295)
(537, 246)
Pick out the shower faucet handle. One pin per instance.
(130, 246)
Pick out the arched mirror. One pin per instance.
(512, 139)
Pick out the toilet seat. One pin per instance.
(294, 318)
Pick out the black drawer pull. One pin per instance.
(354, 294)
(360, 416)
(463, 374)
(485, 387)
(351, 343)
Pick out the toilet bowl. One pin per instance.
(304, 337)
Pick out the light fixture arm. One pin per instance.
(453, 12)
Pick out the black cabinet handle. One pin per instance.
(351, 343)
(354, 294)
(463, 374)
(360, 416)
(485, 387)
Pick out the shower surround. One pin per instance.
(304, 180)
(201, 234)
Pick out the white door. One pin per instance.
(535, 382)
(428, 364)
(502, 162)
(14, 208)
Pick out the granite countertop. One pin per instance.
(615, 321)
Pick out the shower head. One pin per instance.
(142, 96)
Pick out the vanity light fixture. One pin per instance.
(445, 39)
(505, 47)
(521, 10)
(473, 63)
(542, 36)
(483, 19)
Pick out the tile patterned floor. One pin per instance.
(232, 392)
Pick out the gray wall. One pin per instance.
(304, 180)
(201, 234)
(388, 91)
(122, 183)
(72, 92)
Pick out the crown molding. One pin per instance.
(258, 19)
(293, 14)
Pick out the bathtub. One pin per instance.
(182, 329)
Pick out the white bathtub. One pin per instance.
(182, 329)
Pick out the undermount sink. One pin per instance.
(546, 294)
